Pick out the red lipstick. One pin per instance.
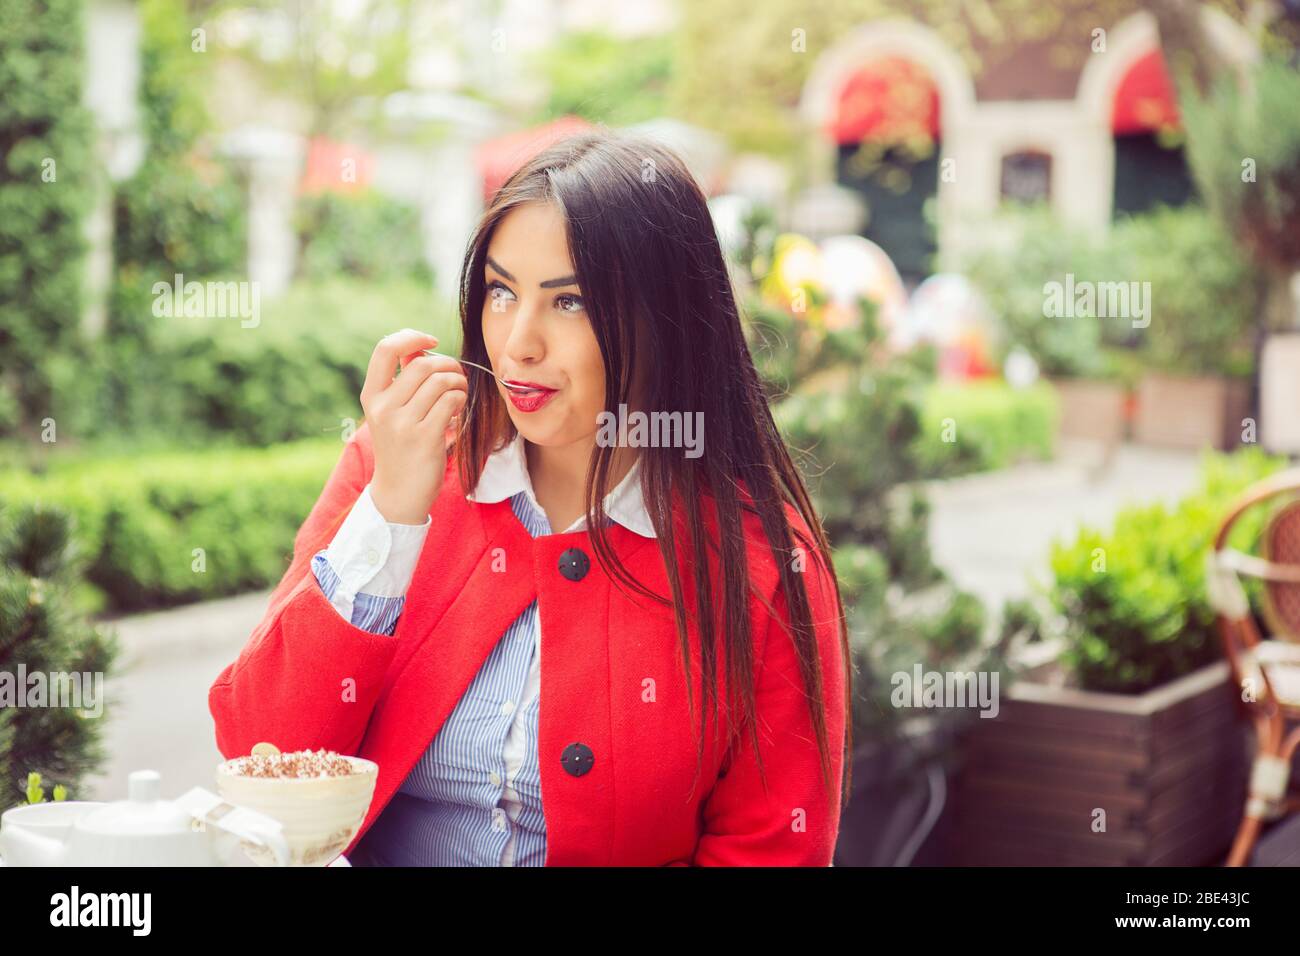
(530, 400)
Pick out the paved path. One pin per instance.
(992, 531)
(989, 531)
(159, 699)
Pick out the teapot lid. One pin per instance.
(144, 811)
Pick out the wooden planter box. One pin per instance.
(1169, 767)
(1091, 409)
(1191, 412)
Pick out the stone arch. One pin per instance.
(880, 38)
(1134, 37)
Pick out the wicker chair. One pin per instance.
(1266, 669)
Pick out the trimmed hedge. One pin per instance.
(294, 375)
(138, 519)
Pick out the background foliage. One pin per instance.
(1132, 601)
(42, 121)
(41, 631)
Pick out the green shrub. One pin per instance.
(1025, 249)
(985, 425)
(866, 428)
(863, 572)
(139, 518)
(365, 234)
(296, 374)
(183, 209)
(850, 410)
(299, 372)
(181, 212)
(1133, 603)
(47, 179)
(791, 352)
(1204, 294)
(1243, 147)
(42, 631)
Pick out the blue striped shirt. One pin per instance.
(450, 811)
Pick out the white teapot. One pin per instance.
(199, 828)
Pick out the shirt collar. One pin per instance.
(505, 474)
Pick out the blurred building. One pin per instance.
(1091, 138)
(915, 147)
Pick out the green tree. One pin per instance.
(1243, 136)
(40, 633)
(45, 184)
(336, 56)
(606, 79)
(1244, 146)
(181, 212)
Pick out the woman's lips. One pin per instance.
(531, 400)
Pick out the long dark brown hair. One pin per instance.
(656, 287)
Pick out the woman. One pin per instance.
(665, 680)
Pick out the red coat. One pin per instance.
(611, 679)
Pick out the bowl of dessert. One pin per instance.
(319, 797)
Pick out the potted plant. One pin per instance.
(1123, 744)
(1197, 341)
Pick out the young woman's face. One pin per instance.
(536, 329)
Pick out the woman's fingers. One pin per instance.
(431, 391)
(386, 358)
(416, 372)
(439, 417)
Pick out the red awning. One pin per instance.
(889, 99)
(497, 159)
(1145, 100)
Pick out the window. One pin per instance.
(1027, 177)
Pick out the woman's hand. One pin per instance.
(408, 418)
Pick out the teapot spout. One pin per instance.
(231, 824)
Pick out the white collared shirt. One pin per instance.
(505, 474)
(379, 557)
(376, 557)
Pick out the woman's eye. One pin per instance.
(575, 303)
(497, 291)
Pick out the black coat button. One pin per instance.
(574, 564)
(577, 759)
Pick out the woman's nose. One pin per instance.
(526, 342)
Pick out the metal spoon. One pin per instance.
(509, 385)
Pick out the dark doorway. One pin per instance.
(895, 184)
(1147, 174)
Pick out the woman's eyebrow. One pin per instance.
(554, 283)
(548, 284)
(496, 265)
